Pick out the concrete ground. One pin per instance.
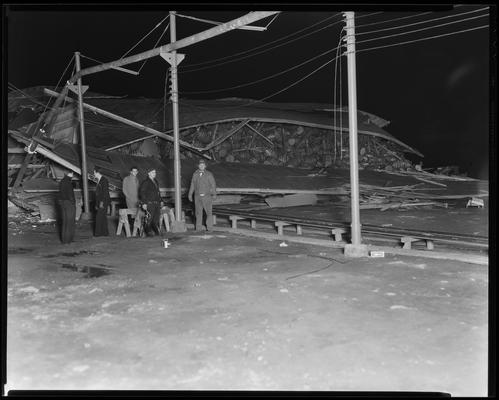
(224, 311)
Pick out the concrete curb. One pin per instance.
(462, 257)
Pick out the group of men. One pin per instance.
(145, 196)
(67, 205)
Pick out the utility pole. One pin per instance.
(173, 58)
(84, 175)
(354, 249)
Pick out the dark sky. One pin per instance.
(435, 92)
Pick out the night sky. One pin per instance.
(435, 92)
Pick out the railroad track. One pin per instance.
(369, 231)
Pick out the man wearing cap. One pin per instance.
(204, 187)
(150, 197)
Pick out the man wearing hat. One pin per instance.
(204, 187)
(150, 197)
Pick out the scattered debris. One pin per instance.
(475, 202)
(400, 307)
(29, 289)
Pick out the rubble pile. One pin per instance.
(292, 146)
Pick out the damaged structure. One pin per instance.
(260, 148)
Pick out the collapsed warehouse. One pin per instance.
(278, 292)
(310, 139)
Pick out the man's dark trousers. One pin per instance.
(152, 226)
(68, 214)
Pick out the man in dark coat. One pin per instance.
(68, 210)
(102, 201)
(150, 197)
(205, 190)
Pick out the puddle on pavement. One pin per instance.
(73, 253)
(90, 272)
(19, 250)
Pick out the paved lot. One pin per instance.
(224, 311)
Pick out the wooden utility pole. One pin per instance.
(84, 175)
(355, 249)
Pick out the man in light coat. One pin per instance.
(204, 188)
(131, 188)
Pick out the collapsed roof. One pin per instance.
(103, 133)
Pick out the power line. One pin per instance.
(264, 45)
(422, 29)
(420, 22)
(271, 48)
(279, 91)
(153, 29)
(333, 59)
(265, 78)
(393, 19)
(418, 40)
(259, 52)
(155, 45)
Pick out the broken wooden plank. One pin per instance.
(30, 166)
(260, 134)
(292, 200)
(226, 136)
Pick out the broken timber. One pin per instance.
(132, 123)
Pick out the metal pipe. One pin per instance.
(176, 132)
(84, 174)
(175, 45)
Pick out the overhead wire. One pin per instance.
(328, 62)
(183, 71)
(294, 67)
(164, 31)
(392, 19)
(151, 31)
(419, 22)
(279, 91)
(254, 82)
(421, 39)
(271, 48)
(60, 79)
(303, 63)
(264, 45)
(421, 29)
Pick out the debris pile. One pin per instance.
(392, 198)
(292, 146)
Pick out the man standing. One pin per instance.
(102, 200)
(131, 188)
(150, 197)
(68, 210)
(205, 189)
